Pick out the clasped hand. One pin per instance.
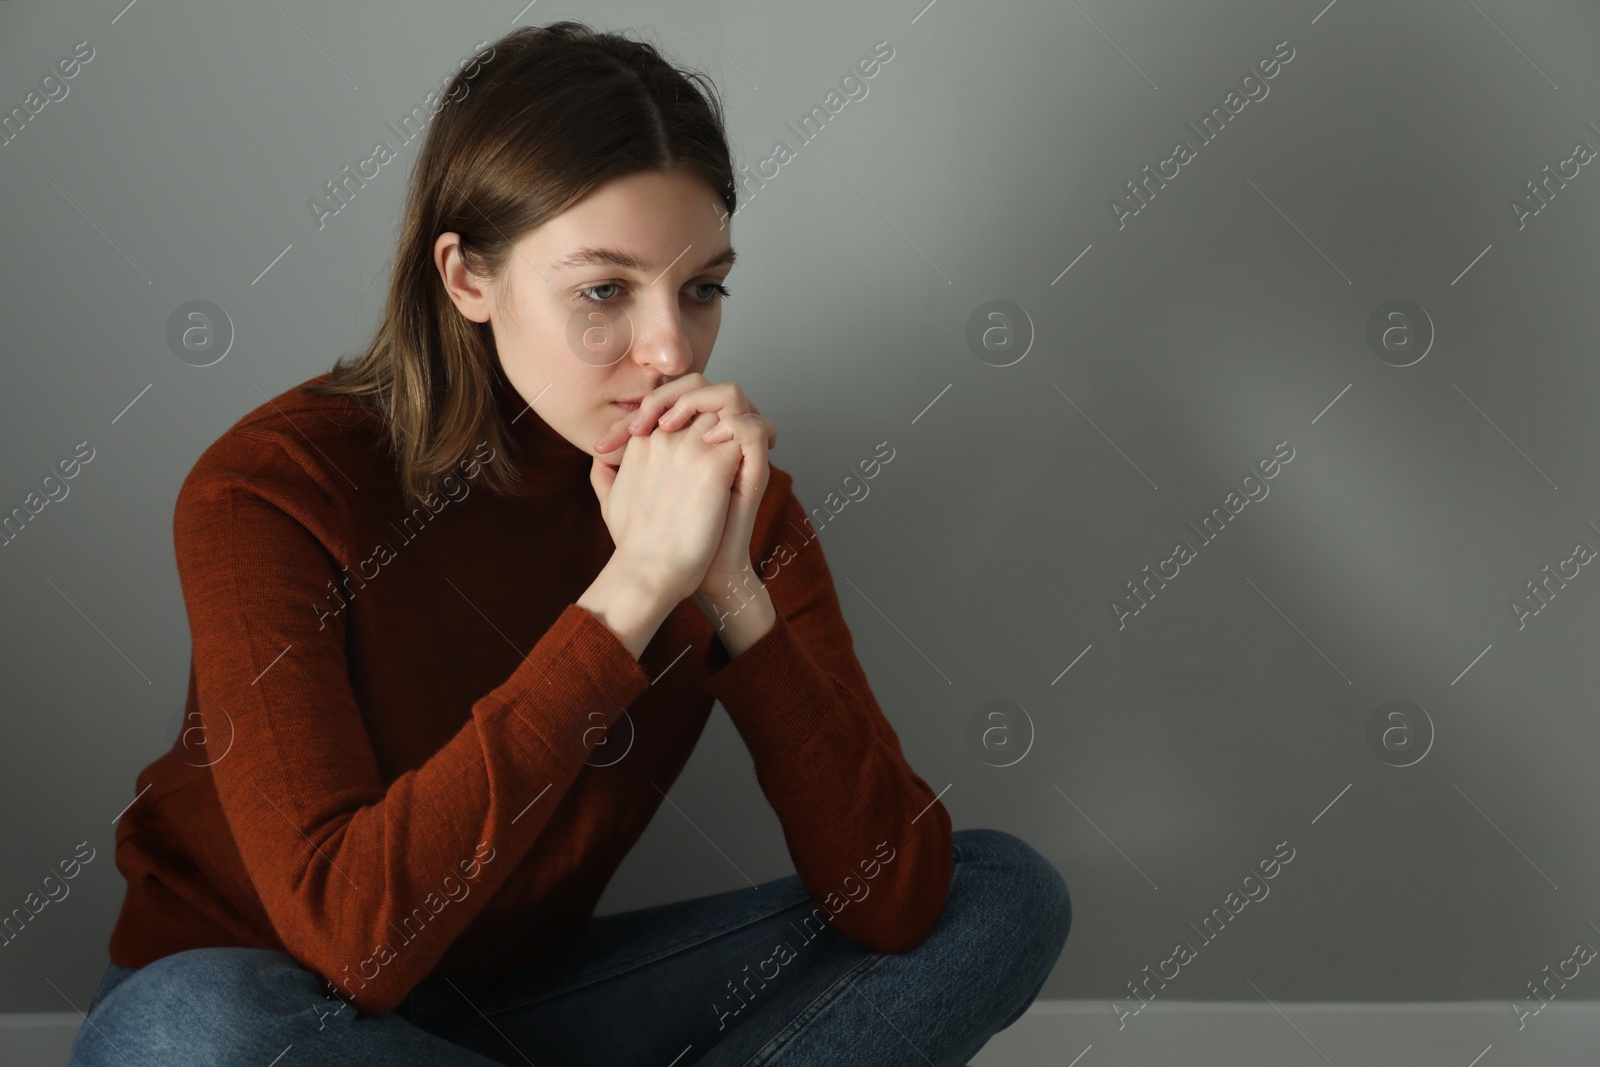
(738, 437)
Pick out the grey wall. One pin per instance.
(1228, 315)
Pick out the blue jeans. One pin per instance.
(654, 986)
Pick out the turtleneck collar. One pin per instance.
(549, 463)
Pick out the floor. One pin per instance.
(1186, 1033)
(1205, 1033)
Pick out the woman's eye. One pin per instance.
(718, 292)
(584, 293)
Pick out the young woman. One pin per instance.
(460, 608)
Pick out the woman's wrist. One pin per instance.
(740, 613)
(628, 601)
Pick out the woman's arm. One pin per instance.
(340, 860)
(827, 759)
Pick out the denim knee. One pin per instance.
(1025, 899)
(196, 999)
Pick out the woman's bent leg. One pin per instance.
(1003, 927)
(650, 986)
(703, 982)
(244, 1006)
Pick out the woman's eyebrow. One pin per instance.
(616, 258)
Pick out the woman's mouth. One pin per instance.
(626, 405)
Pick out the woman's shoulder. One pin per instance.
(296, 441)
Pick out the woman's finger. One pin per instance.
(750, 432)
(722, 397)
(602, 477)
(676, 412)
(724, 430)
(650, 407)
(662, 399)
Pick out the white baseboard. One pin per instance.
(1075, 1033)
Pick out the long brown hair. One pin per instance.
(524, 131)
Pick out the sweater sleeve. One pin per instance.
(869, 839)
(340, 860)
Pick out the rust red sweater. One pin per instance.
(407, 752)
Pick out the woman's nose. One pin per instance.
(661, 342)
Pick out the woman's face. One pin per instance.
(605, 302)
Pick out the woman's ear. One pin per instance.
(469, 294)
